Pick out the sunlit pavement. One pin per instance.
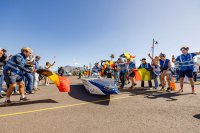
(131, 111)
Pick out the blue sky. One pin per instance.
(83, 31)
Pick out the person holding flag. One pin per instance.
(48, 67)
(131, 74)
(148, 67)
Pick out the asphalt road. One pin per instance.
(132, 111)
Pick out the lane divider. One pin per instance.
(60, 107)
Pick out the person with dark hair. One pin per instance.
(186, 67)
(36, 75)
(165, 66)
(48, 67)
(108, 71)
(147, 66)
(131, 74)
(61, 71)
(116, 72)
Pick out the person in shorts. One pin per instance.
(13, 72)
(186, 67)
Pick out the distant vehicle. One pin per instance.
(68, 74)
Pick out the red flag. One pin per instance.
(64, 85)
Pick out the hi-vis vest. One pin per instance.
(12, 65)
(186, 61)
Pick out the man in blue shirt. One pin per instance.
(131, 74)
(14, 71)
(122, 72)
(186, 66)
(148, 67)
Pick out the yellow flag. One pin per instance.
(144, 74)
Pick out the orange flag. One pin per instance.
(62, 83)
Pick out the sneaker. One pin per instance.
(121, 87)
(35, 89)
(162, 89)
(23, 99)
(1, 96)
(131, 87)
(7, 103)
(180, 91)
(3, 93)
(30, 92)
(194, 92)
(16, 93)
(169, 89)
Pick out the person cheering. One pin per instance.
(186, 66)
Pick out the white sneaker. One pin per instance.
(3, 92)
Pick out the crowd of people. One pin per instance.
(160, 68)
(19, 72)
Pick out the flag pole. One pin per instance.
(153, 48)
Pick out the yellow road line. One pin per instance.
(60, 107)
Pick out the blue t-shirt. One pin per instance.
(164, 64)
(147, 65)
(186, 61)
(122, 67)
(37, 65)
(131, 66)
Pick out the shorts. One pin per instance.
(132, 75)
(188, 73)
(12, 78)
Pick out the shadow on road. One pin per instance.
(197, 116)
(153, 94)
(79, 92)
(29, 102)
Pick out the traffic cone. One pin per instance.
(172, 84)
